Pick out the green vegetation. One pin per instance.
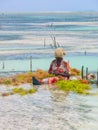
(80, 86)
(7, 82)
(74, 86)
(23, 92)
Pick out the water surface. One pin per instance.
(48, 109)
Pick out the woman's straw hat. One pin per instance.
(59, 53)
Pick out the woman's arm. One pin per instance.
(68, 67)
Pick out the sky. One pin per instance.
(48, 5)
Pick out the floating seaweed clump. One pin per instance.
(7, 94)
(75, 72)
(7, 81)
(22, 91)
(74, 86)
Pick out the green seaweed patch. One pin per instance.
(7, 82)
(75, 86)
(22, 91)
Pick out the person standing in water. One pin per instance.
(59, 67)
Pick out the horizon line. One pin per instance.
(88, 11)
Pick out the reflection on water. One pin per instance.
(48, 109)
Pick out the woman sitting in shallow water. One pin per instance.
(58, 66)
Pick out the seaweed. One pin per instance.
(21, 91)
(75, 86)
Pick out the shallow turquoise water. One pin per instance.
(24, 65)
(24, 35)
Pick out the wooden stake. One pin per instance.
(3, 66)
(97, 77)
(86, 73)
(82, 73)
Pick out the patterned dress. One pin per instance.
(63, 68)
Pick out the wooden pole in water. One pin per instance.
(97, 77)
(30, 63)
(44, 42)
(85, 53)
(86, 73)
(82, 73)
(3, 66)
